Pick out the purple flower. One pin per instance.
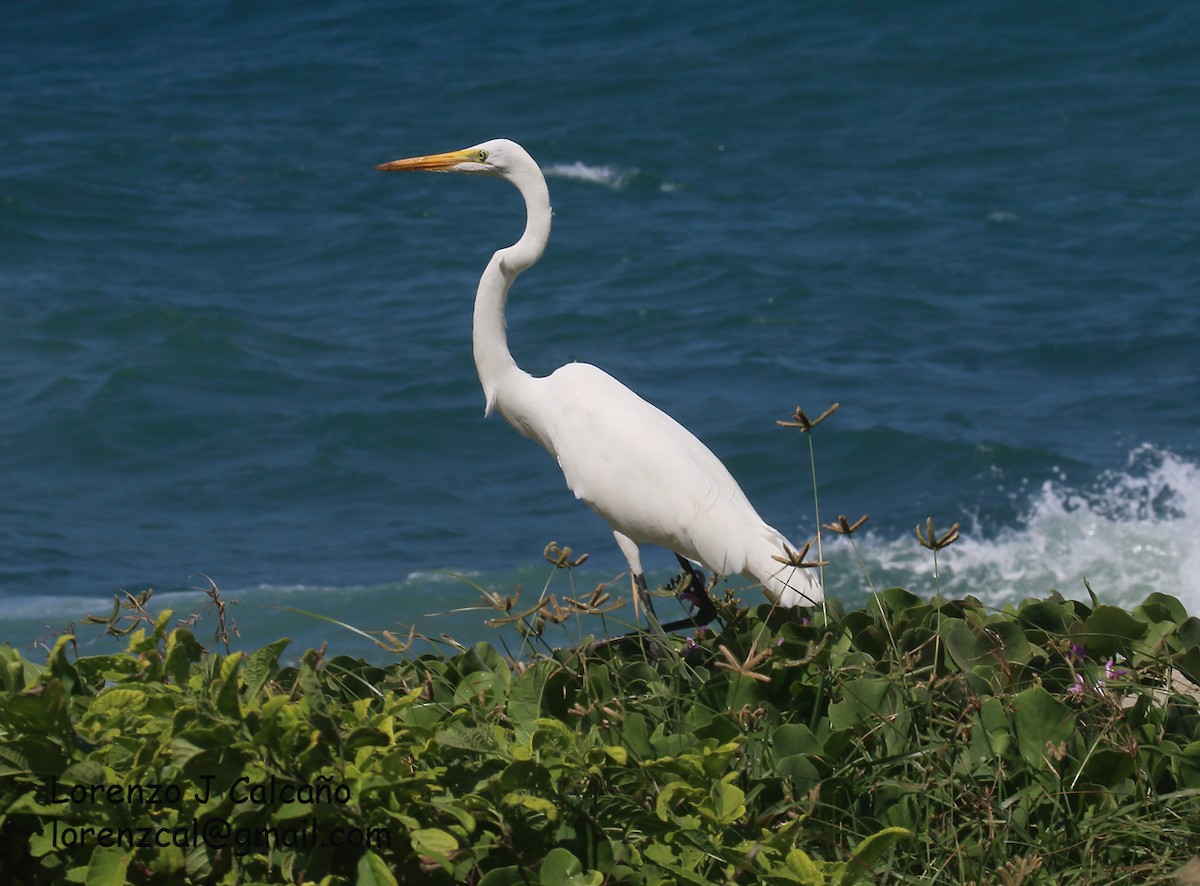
(1077, 651)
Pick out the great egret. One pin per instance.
(634, 465)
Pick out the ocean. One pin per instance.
(232, 350)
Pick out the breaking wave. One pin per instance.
(1130, 533)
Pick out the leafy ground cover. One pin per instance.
(909, 741)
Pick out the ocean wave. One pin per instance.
(609, 176)
(1131, 532)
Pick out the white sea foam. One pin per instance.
(1133, 532)
(608, 176)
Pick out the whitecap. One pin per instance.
(1132, 532)
(608, 176)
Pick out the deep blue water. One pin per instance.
(231, 348)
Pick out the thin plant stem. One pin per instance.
(812, 465)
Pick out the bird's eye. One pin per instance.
(482, 156)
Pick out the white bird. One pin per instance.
(649, 477)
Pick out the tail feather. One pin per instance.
(787, 585)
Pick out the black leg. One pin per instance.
(697, 593)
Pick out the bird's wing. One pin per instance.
(642, 471)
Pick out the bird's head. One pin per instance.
(498, 157)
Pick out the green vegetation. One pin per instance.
(910, 741)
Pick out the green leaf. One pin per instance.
(1109, 630)
(617, 754)
(107, 867)
(1043, 724)
(1051, 615)
(803, 869)
(666, 798)
(1015, 646)
(803, 774)
(182, 651)
(525, 697)
(966, 648)
(791, 739)
(436, 844)
(635, 735)
(864, 700)
(262, 665)
(43, 711)
(1189, 663)
(867, 853)
(509, 876)
(533, 803)
(373, 871)
(726, 803)
(116, 703)
(1163, 607)
(226, 686)
(558, 866)
(898, 599)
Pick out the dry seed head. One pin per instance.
(803, 422)
(844, 526)
(561, 557)
(932, 541)
(796, 559)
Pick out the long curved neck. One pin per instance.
(492, 358)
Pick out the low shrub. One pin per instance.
(912, 741)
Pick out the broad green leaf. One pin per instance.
(1015, 645)
(667, 798)
(790, 739)
(966, 648)
(635, 735)
(803, 869)
(509, 876)
(863, 700)
(898, 599)
(726, 803)
(525, 697)
(226, 689)
(1052, 615)
(533, 803)
(869, 851)
(1043, 724)
(1109, 630)
(182, 650)
(1189, 663)
(107, 867)
(116, 703)
(617, 754)
(436, 844)
(1189, 632)
(803, 774)
(558, 866)
(373, 871)
(1162, 607)
(262, 665)
(472, 685)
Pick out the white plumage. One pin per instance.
(651, 479)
